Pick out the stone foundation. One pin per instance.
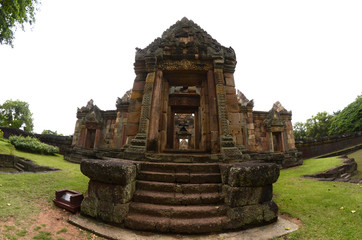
(180, 197)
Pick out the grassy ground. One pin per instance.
(21, 193)
(328, 210)
(317, 204)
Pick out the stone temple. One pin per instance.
(184, 152)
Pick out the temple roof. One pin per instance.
(185, 39)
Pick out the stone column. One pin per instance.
(153, 136)
(138, 144)
(228, 147)
(213, 118)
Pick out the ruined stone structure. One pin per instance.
(188, 154)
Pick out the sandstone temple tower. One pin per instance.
(184, 77)
(184, 151)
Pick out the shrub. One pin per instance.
(33, 145)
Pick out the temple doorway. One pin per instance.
(277, 142)
(90, 139)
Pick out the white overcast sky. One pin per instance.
(305, 54)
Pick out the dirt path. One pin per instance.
(50, 224)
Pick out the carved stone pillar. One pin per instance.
(228, 146)
(138, 144)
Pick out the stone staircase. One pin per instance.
(20, 167)
(178, 198)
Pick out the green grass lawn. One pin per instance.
(316, 204)
(20, 194)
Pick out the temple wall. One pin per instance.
(261, 132)
(234, 115)
(134, 111)
(289, 131)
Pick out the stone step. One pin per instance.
(171, 211)
(346, 175)
(19, 167)
(180, 167)
(183, 157)
(179, 177)
(173, 198)
(165, 224)
(178, 188)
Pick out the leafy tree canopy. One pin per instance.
(14, 14)
(318, 125)
(16, 114)
(50, 132)
(349, 119)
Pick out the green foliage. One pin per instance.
(13, 14)
(323, 124)
(316, 126)
(349, 119)
(50, 132)
(299, 130)
(33, 145)
(16, 114)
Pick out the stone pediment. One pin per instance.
(274, 119)
(92, 112)
(279, 108)
(185, 39)
(125, 99)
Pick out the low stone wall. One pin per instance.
(290, 158)
(316, 147)
(22, 164)
(63, 142)
(342, 173)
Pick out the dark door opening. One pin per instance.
(91, 136)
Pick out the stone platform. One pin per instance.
(186, 198)
(277, 229)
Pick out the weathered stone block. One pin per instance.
(253, 174)
(136, 95)
(230, 81)
(270, 211)
(138, 86)
(252, 215)
(110, 212)
(132, 129)
(111, 192)
(89, 206)
(243, 217)
(241, 196)
(113, 171)
(134, 117)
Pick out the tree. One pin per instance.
(318, 125)
(13, 14)
(50, 132)
(16, 114)
(299, 130)
(349, 119)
